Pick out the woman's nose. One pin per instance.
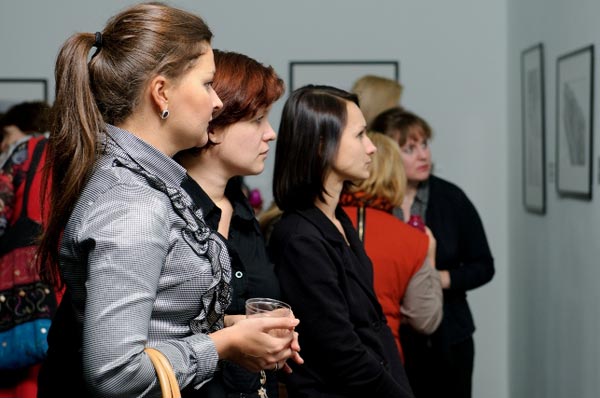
(269, 134)
(371, 149)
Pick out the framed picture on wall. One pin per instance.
(534, 131)
(14, 91)
(574, 123)
(340, 74)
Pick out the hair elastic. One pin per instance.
(98, 40)
(97, 44)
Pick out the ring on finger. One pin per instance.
(276, 366)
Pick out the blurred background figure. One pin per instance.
(405, 280)
(19, 123)
(376, 94)
(463, 260)
(23, 144)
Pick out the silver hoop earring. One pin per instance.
(164, 114)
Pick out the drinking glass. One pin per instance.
(267, 307)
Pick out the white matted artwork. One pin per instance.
(574, 123)
(14, 91)
(533, 119)
(340, 74)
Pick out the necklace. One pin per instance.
(262, 391)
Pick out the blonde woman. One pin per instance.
(376, 94)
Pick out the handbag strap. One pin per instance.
(35, 160)
(166, 376)
(360, 222)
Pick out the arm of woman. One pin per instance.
(473, 250)
(127, 235)
(423, 299)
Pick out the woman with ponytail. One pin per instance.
(137, 261)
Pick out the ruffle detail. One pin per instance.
(205, 243)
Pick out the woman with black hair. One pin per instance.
(323, 270)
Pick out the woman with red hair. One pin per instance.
(239, 137)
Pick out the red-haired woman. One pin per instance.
(239, 137)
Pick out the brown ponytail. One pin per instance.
(137, 44)
(75, 123)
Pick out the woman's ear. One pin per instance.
(159, 92)
(215, 135)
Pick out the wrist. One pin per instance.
(445, 279)
(224, 341)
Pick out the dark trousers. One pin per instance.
(436, 372)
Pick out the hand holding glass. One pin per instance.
(268, 307)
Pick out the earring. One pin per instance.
(164, 114)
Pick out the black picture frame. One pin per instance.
(533, 118)
(575, 123)
(339, 73)
(14, 91)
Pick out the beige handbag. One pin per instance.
(164, 371)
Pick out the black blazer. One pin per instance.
(463, 250)
(348, 349)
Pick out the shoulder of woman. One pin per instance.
(440, 186)
(296, 223)
(120, 189)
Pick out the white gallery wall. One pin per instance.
(554, 259)
(453, 64)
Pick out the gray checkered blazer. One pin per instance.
(142, 269)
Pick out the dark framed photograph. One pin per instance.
(534, 129)
(14, 91)
(574, 123)
(340, 74)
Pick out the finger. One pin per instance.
(295, 343)
(267, 324)
(287, 369)
(297, 358)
